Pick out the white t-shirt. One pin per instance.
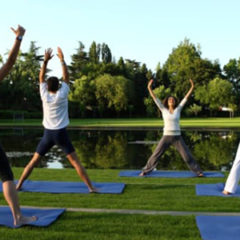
(55, 107)
(171, 120)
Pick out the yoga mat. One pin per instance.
(45, 217)
(219, 227)
(69, 187)
(214, 190)
(168, 174)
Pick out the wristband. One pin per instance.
(19, 38)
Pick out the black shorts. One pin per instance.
(6, 173)
(57, 137)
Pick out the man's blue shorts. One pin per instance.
(57, 137)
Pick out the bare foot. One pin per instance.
(24, 220)
(93, 190)
(201, 175)
(142, 174)
(226, 192)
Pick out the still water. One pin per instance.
(125, 149)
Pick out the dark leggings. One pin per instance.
(179, 144)
(6, 173)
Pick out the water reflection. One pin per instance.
(214, 150)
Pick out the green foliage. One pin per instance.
(218, 92)
(115, 92)
(83, 92)
(19, 90)
(194, 109)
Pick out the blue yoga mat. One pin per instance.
(44, 216)
(168, 174)
(219, 227)
(214, 190)
(69, 187)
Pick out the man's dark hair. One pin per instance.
(53, 84)
(165, 102)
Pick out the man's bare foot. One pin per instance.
(93, 190)
(201, 174)
(226, 192)
(142, 174)
(24, 220)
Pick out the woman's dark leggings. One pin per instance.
(179, 144)
(6, 173)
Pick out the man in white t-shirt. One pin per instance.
(55, 121)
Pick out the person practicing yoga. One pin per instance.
(171, 133)
(6, 174)
(55, 121)
(234, 176)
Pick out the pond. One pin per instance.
(123, 149)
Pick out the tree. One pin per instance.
(94, 52)
(19, 89)
(185, 62)
(106, 54)
(218, 92)
(83, 93)
(113, 92)
(194, 109)
(79, 61)
(232, 71)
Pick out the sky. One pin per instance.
(141, 30)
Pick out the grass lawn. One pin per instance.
(140, 193)
(133, 122)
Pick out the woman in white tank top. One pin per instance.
(171, 133)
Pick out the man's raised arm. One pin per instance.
(47, 56)
(64, 66)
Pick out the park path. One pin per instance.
(147, 212)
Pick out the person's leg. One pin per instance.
(187, 156)
(234, 175)
(43, 147)
(11, 196)
(152, 162)
(10, 192)
(28, 169)
(62, 140)
(73, 159)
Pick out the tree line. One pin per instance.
(102, 86)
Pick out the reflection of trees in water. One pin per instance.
(107, 151)
(212, 150)
(216, 150)
(111, 149)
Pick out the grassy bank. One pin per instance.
(133, 122)
(140, 193)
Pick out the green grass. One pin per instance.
(133, 122)
(99, 226)
(140, 193)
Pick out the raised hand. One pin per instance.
(48, 54)
(60, 54)
(19, 32)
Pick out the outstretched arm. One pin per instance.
(47, 56)
(150, 89)
(19, 32)
(64, 66)
(190, 90)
